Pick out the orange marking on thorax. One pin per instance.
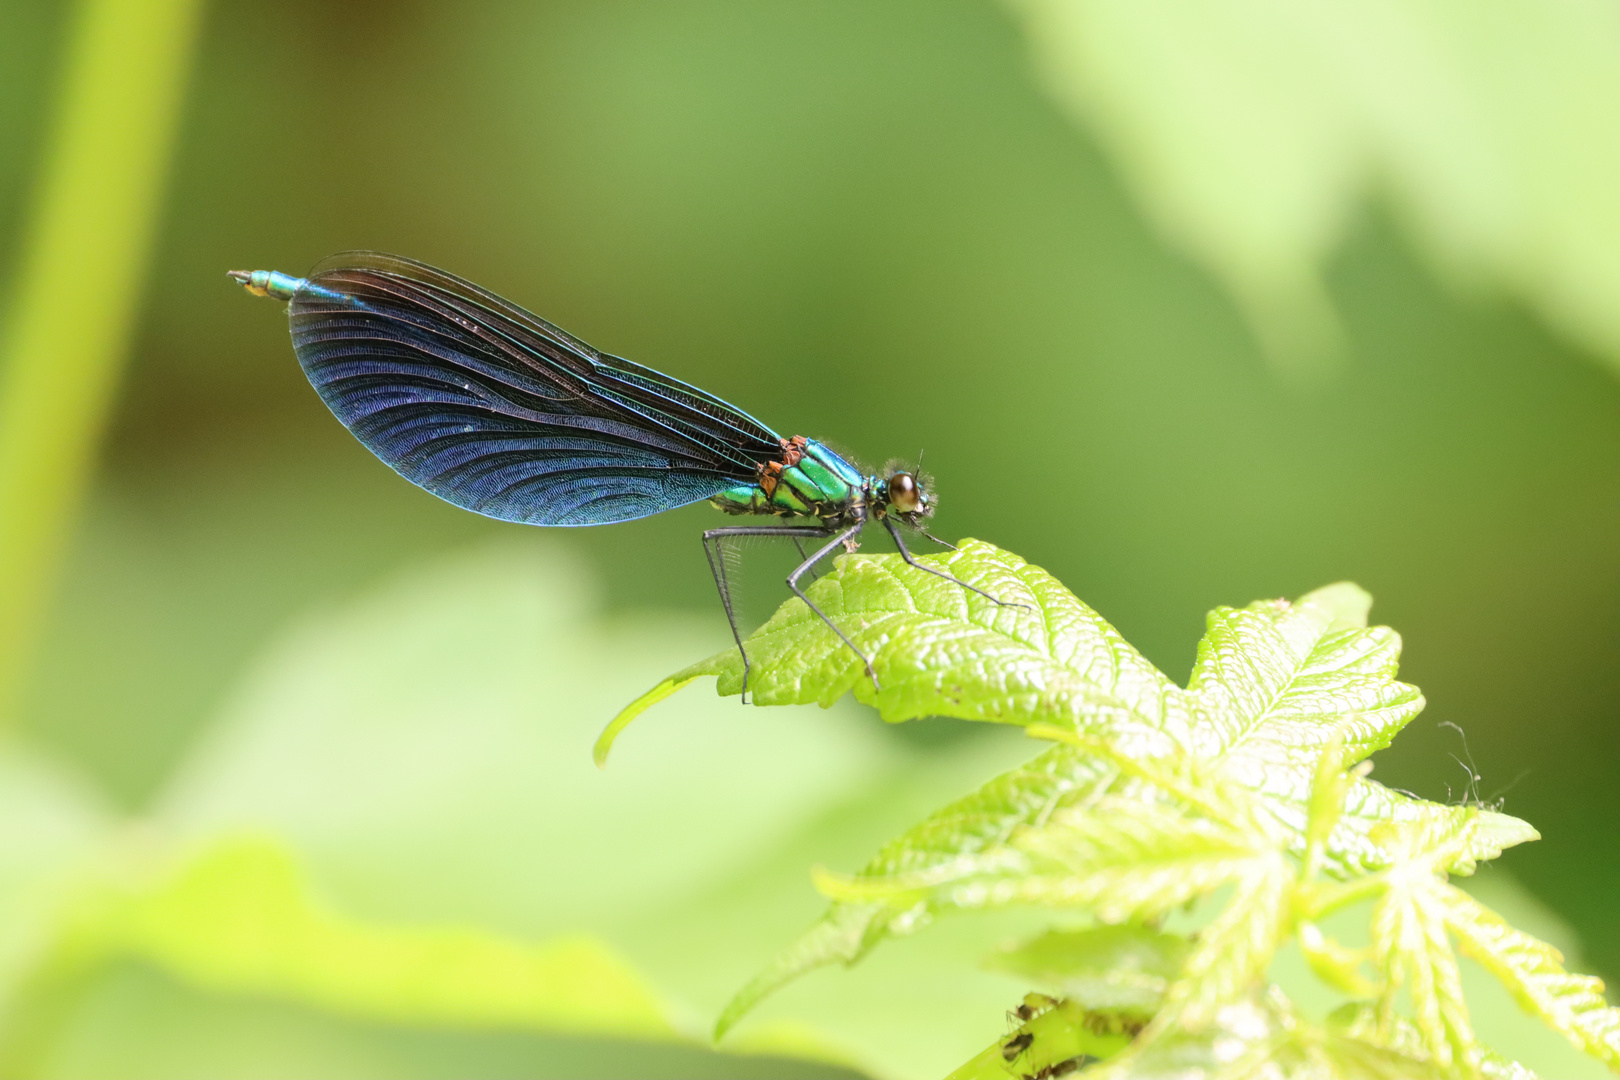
(769, 473)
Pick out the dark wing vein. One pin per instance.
(498, 411)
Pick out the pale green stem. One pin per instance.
(82, 260)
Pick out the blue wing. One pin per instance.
(494, 409)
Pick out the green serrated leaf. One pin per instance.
(1161, 795)
(1352, 1035)
(939, 650)
(1126, 859)
(1358, 843)
(1495, 832)
(841, 936)
(1411, 949)
(1119, 858)
(1496, 1067)
(1235, 950)
(982, 821)
(1264, 1036)
(1533, 972)
(1276, 681)
(1180, 778)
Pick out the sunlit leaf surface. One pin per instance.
(1275, 685)
(1155, 797)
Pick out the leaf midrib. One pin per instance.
(1248, 730)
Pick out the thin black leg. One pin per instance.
(793, 583)
(717, 566)
(911, 560)
(800, 549)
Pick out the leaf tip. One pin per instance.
(1346, 602)
(744, 1000)
(729, 1018)
(830, 883)
(604, 741)
(1500, 831)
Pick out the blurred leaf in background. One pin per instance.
(1253, 132)
(420, 760)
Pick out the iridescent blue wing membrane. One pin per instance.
(494, 409)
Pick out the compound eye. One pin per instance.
(904, 494)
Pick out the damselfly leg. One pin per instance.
(911, 560)
(832, 545)
(713, 538)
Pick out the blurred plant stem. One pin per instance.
(77, 283)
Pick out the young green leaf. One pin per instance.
(981, 822)
(1533, 971)
(1120, 859)
(1274, 682)
(1164, 794)
(940, 650)
(1263, 1036)
(1411, 948)
(1412, 951)
(1233, 952)
(1352, 1032)
(1277, 681)
(975, 831)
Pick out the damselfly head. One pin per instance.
(908, 497)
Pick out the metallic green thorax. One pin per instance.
(811, 481)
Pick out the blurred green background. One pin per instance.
(882, 224)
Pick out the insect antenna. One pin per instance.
(1473, 773)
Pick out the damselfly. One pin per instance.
(496, 410)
